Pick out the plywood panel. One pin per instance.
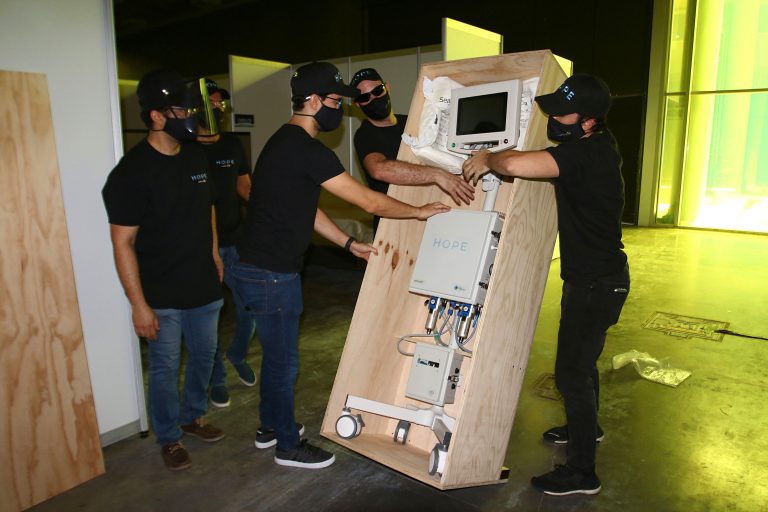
(49, 436)
(492, 377)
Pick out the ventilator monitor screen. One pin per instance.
(485, 116)
(482, 114)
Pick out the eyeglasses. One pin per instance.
(182, 112)
(336, 101)
(376, 92)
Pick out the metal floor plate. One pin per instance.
(685, 326)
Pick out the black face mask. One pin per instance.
(328, 119)
(560, 132)
(180, 129)
(379, 108)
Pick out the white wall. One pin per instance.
(72, 43)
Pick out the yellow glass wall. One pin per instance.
(714, 159)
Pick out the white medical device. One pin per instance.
(453, 269)
(485, 116)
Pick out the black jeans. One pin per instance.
(586, 312)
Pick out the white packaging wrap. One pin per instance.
(430, 144)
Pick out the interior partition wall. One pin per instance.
(712, 163)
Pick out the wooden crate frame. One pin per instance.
(491, 380)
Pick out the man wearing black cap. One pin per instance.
(377, 142)
(159, 204)
(282, 211)
(229, 171)
(589, 191)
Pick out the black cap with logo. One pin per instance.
(160, 89)
(580, 94)
(365, 74)
(319, 78)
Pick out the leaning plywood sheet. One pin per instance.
(48, 431)
(491, 377)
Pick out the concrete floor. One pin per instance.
(702, 446)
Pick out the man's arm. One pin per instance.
(523, 164)
(328, 229)
(243, 186)
(216, 257)
(398, 172)
(145, 322)
(349, 189)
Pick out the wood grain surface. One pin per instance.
(49, 436)
(492, 377)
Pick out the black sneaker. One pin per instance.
(245, 373)
(559, 435)
(566, 480)
(305, 456)
(266, 437)
(219, 396)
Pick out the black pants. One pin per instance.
(586, 313)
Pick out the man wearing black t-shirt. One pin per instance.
(282, 212)
(160, 206)
(377, 142)
(589, 191)
(232, 180)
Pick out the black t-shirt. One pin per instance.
(376, 139)
(590, 202)
(284, 194)
(226, 162)
(169, 198)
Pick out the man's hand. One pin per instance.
(145, 322)
(362, 250)
(431, 209)
(454, 186)
(219, 266)
(476, 165)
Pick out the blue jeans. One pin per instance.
(198, 328)
(244, 324)
(273, 301)
(586, 312)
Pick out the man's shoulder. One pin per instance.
(134, 161)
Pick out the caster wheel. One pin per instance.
(401, 431)
(349, 426)
(437, 459)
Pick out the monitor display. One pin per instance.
(482, 114)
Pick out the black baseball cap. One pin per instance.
(365, 74)
(160, 89)
(319, 78)
(581, 93)
(213, 87)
